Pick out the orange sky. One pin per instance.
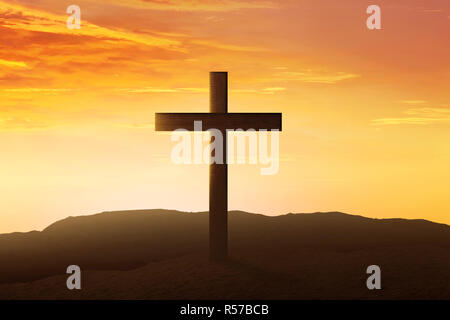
(366, 114)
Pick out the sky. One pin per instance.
(366, 113)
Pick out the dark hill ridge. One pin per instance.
(126, 240)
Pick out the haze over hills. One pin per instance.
(162, 254)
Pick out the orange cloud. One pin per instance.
(215, 44)
(22, 18)
(420, 116)
(14, 64)
(196, 5)
(315, 76)
(413, 102)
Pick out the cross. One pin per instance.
(220, 119)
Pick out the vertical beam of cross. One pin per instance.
(218, 177)
(218, 118)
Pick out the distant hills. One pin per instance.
(318, 255)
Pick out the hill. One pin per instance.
(162, 254)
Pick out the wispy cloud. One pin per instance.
(413, 102)
(42, 44)
(147, 90)
(195, 5)
(21, 116)
(433, 10)
(162, 90)
(19, 17)
(315, 76)
(418, 116)
(37, 90)
(12, 123)
(272, 90)
(13, 64)
(230, 47)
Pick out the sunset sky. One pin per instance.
(366, 114)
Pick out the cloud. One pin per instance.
(196, 5)
(13, 64)
(22, 115)
(433, 10)
(21, 123)
(23, 18)
(223, 46)
(272, 90)
(11, 80)
(413, 102)
(37, 48)
(195, 90)
(162, 90)
(147, 90)
(37, 90)
(418, 116)
(430, 112)
(315, 76)
(41, 42)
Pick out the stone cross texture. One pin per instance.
(220, 119)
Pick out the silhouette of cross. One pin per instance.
(220, 119)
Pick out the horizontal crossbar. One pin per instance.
(221, 121)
